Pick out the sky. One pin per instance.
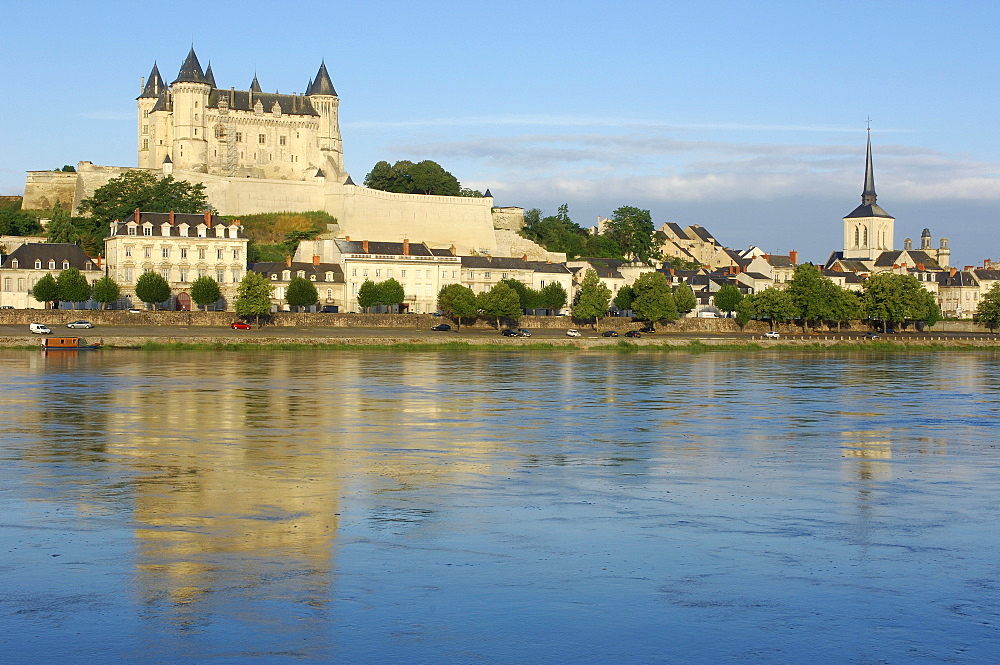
(748, 118)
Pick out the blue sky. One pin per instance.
(745, 117)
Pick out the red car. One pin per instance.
(236, 325)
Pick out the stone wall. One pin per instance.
(43, 188)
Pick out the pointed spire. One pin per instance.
(255, 86)
(154, 84)
(868, 195)
(488, 194)
(350, 182)
(191, 71)
(209, 76)
(322, 85)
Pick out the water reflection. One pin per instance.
(529, 507)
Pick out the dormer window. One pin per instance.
(38, 264)
(183, 229)
(329, 276)
(201, 231)
(312, 278)
(258, 108)
(147, 230)
(301, 273)
(276, 110)
(286, 275)
(274, 277)
(65, 265)
(52, 264)
(131, 230)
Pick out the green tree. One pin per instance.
(46, 290)
(500, 302)
(896, 299)
(812, 294)
(774, 305)
(73, 286)
(624, 298)
(301, 292)
(368, 295)
(61, 227)
(458, 302)
(205, 291)
(553, 296)
(632, 229)
(405, 177)
(846, 305)
(988, 309)
(654, 300)
(253, 296)
(727, 298)
(684, 298)
(529, 297)
(151, 288)
(106, 291)
(145, 191)
(592, 299)
(745, 311)
(391, 293)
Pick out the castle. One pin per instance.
(268, 152)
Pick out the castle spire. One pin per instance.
(868, 195)
(154, 84)
(255, 85)
(191, 71)
(209, 76)
(322, 85)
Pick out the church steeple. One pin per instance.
(322, 85)
(154, 85)
(191, 71)
(868, 195)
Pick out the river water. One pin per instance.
(499, 507)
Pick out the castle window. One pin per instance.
(145, 129)
(196, 129)
(239, 137)
(220, 132)
(281, 140)
(262, 138)
(145, 114)
(145, 144)
(196, 106)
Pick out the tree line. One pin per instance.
(507, 299)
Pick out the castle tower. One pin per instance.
(868, 229)
(325, 101)
(153, 89)
(190, 91)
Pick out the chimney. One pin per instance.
(347, 238)
(952, 271)
(364, 246)
(208, 218)
(524, 257)
(288, 261)
(453, 249)
(98, 261)
(671, 272)
(137, 216)
(315, 259)
(171, 218)
(794, 256)
(406, 247)
(969, 268)
(236, 222)
(920, 267)
(767, 257)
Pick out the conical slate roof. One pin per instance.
(191, 71)
(154, 85)
(255, 85)
(488, 194)
(209, 76)
(322, 85)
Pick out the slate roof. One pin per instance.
(870, 210)
(677, 230)
(26, 254)
(551, 268)
(191, 71)
(321, 85)
(987, 275)
(385, 248)
(158, 219)
(702, 234)
(960, 278)
(154, 85)
(310, 269)
(495, 263)
(780, 261)
(915, 258)
(244, 100)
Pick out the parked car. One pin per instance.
(871, 335)
(524, 332)
(7, 307)
(772, 334)
(633, 333)
(80, 324)
(442, 327)
(39, 329)
(239, 325)
(572, 332)
(508, 332)
(609, 333)
(647, 329)
(330, 309)
(135, 311)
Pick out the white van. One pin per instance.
(39, 328)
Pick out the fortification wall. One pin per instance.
(43, 188)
